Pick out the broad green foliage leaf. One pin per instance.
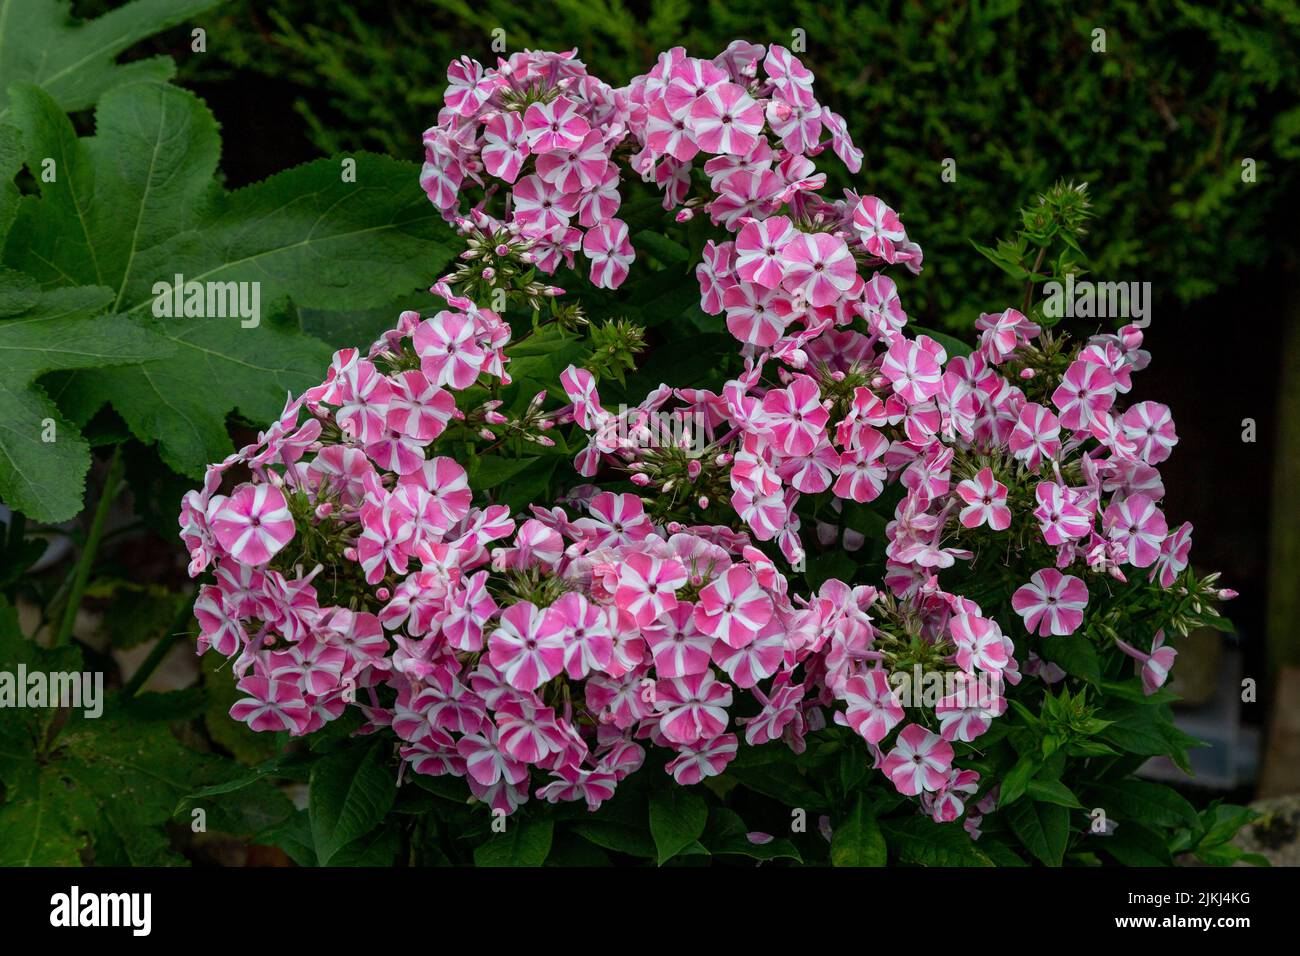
(139, 181)
(102, 790)
(45, 479)
(677, 820)
(74, 61)
(11, 160)
(919, 841)
(349, 793)
(858, 840)
(726, 834)
(1075, 654)
(524, 843)
(1043, 828)
(1144, 802)
(135, 205)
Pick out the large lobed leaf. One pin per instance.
(75, 61)
(61, 330)
(137, 204)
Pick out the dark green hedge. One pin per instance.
(1158, 124)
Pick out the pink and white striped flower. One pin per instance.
(528, 646)
(873, 707)
(820, 268)
(1138, 527)
(708, 758)
(448, 349)
(647, 586)
(556, 125)
(271, 705)
(760, 248)
(1059, 513)
(986, 502)
(253, 524)
(1150, 426)
(980, 644)
(610, 253)
(920, 761)
(879, 228)
(1153, 667)
(505, 146)
(1037, 435)
(913, 371)
(733, 607)
(1051, 603)
(1086, 391)
(692, 708)
(726, 120)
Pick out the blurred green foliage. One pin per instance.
(1158, 124)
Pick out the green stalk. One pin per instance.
(82, 576)
(179, 629)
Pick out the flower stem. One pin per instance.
(111, 482)
(179, 629)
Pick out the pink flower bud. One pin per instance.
(488, 274)
(495, 418)
(324, 510)
(694, 468)
(486, 434)
(686, 215)
(1026, 373)
(502, 250)
(350, 553)
(1226, 594)
(640, 480)
(704, 501)
(383, 594)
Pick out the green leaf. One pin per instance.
(1134, 845)
(952, 345)
(348, 794)
(1017, 780)
(11, 160)
(677, 820)
(135, 206)
(1075, 655)
(75, 61)
(857, 840)
(41, 478)
(1141, 801)
(919, 841)
(524, 843)
(1053, 791)
(619, 837)
(727, 834)
(1135, 728)
(1043, 828)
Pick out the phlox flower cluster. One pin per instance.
(545, 142)
(548, 654)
